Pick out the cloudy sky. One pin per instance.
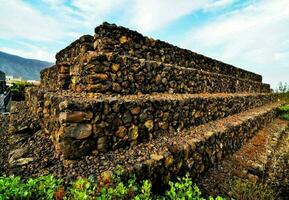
(251, 34)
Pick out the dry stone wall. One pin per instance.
(111, 73)
(49, 78)
(118, 60)
(71, 56)
(118, 89)
(198, 149)
(105, 122)
(109, 37)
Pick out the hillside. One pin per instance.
(18, 66)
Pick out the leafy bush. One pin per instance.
(39, 188)
(285, 117)
(284, 109)
(284, 112)
(111, 187)
(183, 189)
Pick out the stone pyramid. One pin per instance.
(154, 108)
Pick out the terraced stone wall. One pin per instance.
(118, 60)
(200, 151)
(49, 78)
(111, 73)
(68, 55)
(119, 89)
(109, 37)
(71, 57)
(81, 123)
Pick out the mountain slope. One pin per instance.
(28, 69)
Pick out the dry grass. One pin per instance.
(242, 189)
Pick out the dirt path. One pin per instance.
(252, 171)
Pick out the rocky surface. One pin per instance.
(15, 131)
(112, 73)
(118, 60)
(80, 123)
(122, 41)
(160, 159)
(4, 150)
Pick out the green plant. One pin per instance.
(47, 187)
(81, 189)
(285, 117)
(145, 191)
(284, 112)
(40, 188)
(183, 189)
(284, 109)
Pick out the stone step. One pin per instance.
(80, 123)
(193, 150)
(112, 38)
(111, 73)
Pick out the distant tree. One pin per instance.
(283, 87)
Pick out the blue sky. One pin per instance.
(251, 34)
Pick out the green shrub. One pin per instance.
(185, 189)
(40, 188)
(285, 117)
(284, 112)
(47, 187)
(283, 109)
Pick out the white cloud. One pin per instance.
(255, 37)
(218, 4)
(19, 20)
(93, 12)
(151, 15)
(57, 20)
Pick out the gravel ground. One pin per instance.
(4, 122)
